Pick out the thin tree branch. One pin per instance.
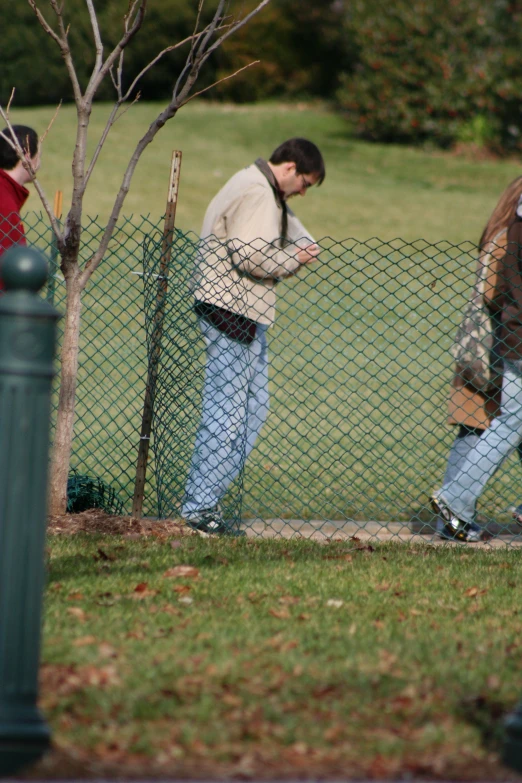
(236, 26)
(45, 24)
(9, 102)
(119, 78)
(62, 42)
(110, 122)
(129, 34)
(155, 60)
(97, 36)
(212, 27)
(55, 115)
(123, 98)
(219, 81)
(198, 17)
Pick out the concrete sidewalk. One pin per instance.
(367, 532)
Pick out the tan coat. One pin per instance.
(467, 405)
(240, 254)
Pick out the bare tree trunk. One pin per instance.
(65, 417)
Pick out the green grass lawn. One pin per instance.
(370, 190)
(277, 659)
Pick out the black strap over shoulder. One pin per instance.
(265, 169)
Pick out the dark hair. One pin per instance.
(27, 139)
(504, 213)
(305, 155)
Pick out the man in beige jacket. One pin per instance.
(249, 242)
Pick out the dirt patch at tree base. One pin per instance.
(98, 522)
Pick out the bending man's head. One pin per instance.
(297, 165)
(28, 141)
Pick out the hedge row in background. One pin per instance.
(443, 70)
(407, 71)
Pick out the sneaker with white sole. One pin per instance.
(208, 521)
(455, 529)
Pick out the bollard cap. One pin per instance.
(23, 268)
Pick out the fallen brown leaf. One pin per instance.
(83, 641)
(182, 571)
(142, 591)
(77, 613)
(107, 651)
(141, 587)
(382, 587)
(281, 614)
(102, 555)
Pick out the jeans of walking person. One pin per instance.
(463, 489)
(234, 408)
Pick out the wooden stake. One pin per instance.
(58, 204)
(157, 331)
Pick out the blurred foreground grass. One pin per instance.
(278, 659)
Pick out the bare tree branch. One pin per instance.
(237, 25)
(97, 36)
(216, 21)
(45, 24)
(61, 40)
(9, 102)
(157, 59)
(131, 29)
(113, 118)
(46, 131)
(219, 81)
(196, 25)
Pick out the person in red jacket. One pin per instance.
(13, 178)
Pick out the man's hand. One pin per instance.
(308, 254)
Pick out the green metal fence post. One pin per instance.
(27, 345)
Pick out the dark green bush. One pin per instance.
(442, 70)
(300, 44)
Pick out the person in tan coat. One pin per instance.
(475, 397)
(250, 241)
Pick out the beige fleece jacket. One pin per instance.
(240, 255)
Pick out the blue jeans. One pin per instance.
(234, 408)
(503, 436)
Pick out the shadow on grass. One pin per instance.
(487, 715)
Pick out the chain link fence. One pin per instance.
(357, 436)
(113, 364)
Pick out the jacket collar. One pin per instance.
(20, 193)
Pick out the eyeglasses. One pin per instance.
(306, 184)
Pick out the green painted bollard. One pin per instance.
(512, 749)
(27, 345)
